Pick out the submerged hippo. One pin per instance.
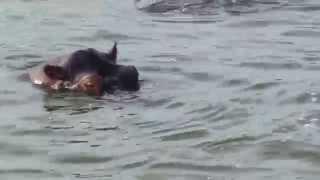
(89, 71)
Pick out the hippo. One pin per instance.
(87, 71)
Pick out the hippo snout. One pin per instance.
(129, 78)
(126, 78)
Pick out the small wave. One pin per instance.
(302, 33)
(271, 66)
(261, 86)
(81, 159)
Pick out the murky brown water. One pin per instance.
(230, 91)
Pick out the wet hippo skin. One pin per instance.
(89, 71)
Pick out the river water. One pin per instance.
(230, 90)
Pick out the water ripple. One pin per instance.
(136, 164)
(290, 150)
(193, 134)
(211, 145)
(37, 132)
(262, 86)
(81, 159)
(301, 98)
(311, 118)
(30, 171)
(164, 57)
(105, 35)
(238, 115)
(201, 76)
(22, 56)
(187, 20)
(235, 82)
(271, 66)
(302, 33)
(155, 103)
(207, 168)
(175, 105)
(20, 150)
(207, 7)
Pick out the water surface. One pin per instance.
(230, 91)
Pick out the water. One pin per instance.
(230, 91)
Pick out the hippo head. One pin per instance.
(93, 72)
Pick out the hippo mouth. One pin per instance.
(91, 84)
(122, 77)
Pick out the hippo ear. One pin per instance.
(55, 72)
(113, 53)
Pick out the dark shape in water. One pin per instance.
(89, 71)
